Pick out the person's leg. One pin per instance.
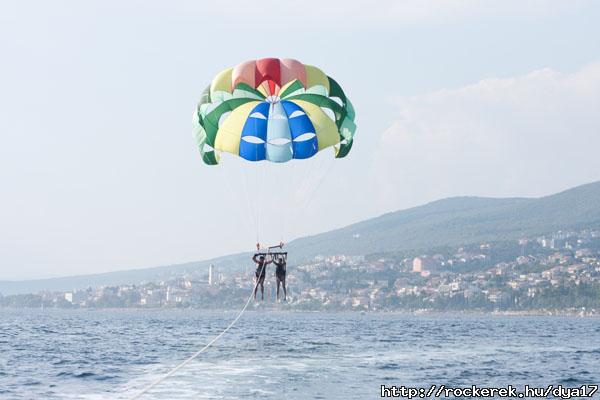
(262, 287)
(284, 290)
(255, 288)
(278, 282)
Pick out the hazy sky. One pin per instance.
(99, 172)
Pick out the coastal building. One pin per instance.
(422, 263)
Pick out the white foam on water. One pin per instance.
(200, 380)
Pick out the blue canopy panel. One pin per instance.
(278, 132)
(304, 138)
(254, 134)
(279, 138)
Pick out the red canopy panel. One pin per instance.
(267, 69)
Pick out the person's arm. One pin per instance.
(254, 259)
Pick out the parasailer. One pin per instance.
(261, 261)
(274, 110)
(280, 272)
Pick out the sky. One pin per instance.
(99, 171)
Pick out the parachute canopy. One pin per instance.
(273, 109)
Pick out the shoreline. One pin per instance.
(275, 308)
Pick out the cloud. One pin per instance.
(527, 135)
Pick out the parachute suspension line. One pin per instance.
(320, 180)
(259, 194)
(256, 193)
(203, 349)
(250, 206)
(262, 184)
(299, 173)
(258, 200)
(248, 202)
(281, 174)
(244, 218)
(312, 180)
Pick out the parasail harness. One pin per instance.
(267, 251)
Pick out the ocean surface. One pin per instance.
(112, 354)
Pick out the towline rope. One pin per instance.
(206, 347)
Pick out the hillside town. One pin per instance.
(559, 271)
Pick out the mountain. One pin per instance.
(449, 222)
(134, 276)
(460, 221)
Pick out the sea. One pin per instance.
(280, 354)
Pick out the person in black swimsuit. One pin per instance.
(261, 272)
(280, 275)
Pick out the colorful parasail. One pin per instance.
(273, 109)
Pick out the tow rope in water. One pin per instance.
(206, 347)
